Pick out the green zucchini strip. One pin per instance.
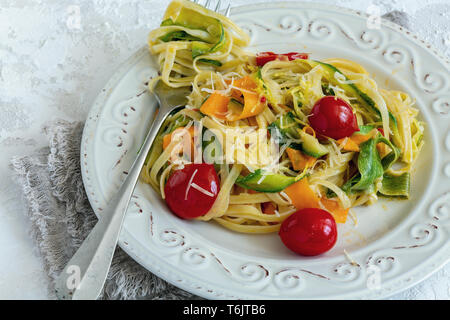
(396, 186)
(266, 182)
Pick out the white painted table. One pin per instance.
(56, 55)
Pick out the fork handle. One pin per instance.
(85, 274)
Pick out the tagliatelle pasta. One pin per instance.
(251, 116)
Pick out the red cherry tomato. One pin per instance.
(333, 117)
(296, 55)
(309, 232)
(263, 57)
(190, 192)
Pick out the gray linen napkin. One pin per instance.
(61, 216)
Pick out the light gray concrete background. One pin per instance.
(56, 55)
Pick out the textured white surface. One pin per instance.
(53, 63)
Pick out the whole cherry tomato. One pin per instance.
(190, 192)
(333, 117)
(309, 232)
(263, 57)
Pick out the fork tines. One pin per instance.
(209, 3)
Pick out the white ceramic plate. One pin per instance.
(395, 243)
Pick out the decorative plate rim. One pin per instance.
(169, 273)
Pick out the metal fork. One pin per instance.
(85, 273)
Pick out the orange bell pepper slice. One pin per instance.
(352, 143)
(302, 197)
(349, 145)
(299, 160)
(339, 214)
(216, 105)
(252, 104)
(184, 140)
(168, 137)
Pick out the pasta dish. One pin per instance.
(266, 135)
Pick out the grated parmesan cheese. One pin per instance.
(286, 197)
(189, 184)
(352, 261)
(202, 190)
